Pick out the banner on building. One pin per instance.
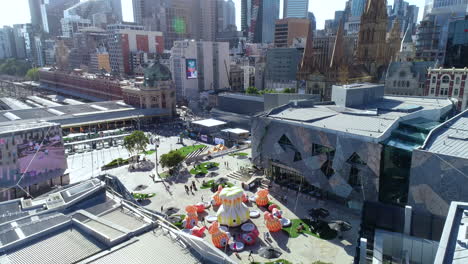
(218, 141)
(204, 138)
(191, 68)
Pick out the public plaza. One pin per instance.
(170, 192)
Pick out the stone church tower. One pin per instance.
(371, 48)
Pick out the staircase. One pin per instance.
(196, 153)
(238, 176)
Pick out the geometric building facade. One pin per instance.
(440, 167)
(335, 149)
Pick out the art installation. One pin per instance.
(200, 208)
(219, 237)
(251, 237)
(191, 219)
(198, 231)
(271, 207)
(245, 198)
(215, 198)
(261, 197)
(233, 212)
(276, 213)
(272, 223)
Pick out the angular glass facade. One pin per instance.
(456, 53)
(396, 159)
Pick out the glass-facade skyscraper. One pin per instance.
(264, 14)
(357, 7)
(295, 8)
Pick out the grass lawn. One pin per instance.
(179, 224)
(116, 162)
(326, 232)
(143, 195)
(189, 149)
(203, 168)
(149, 152)
(210, 183)
(242, 154)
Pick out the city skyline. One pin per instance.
(18, 12)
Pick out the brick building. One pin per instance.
(82, 84)
(125, 42)
(449, 83)
(289, 31)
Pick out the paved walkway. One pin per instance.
(304, 249)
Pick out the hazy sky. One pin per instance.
(17, 11)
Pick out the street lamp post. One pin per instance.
(155, 141)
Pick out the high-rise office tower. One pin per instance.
(262, 24)
(445, 6)
(99, 12)
(357, 7)
(172, 17)
(46, 15)
(246, 16)
(205, 15)
(230, 13)
(226, 15)
(295, 8)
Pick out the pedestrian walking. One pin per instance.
(162, 207)
(191, 188)
(194, 186)
(202, 198)
(250, 258)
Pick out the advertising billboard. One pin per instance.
(38, 154)
(191, 68)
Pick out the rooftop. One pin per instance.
(236, 130)
(453, 245)
(209, 122)
(89, 222)
(78, 113)
(450, 138)
(371, 120)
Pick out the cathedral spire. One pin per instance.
(307, 64)
(371, 50)
(338, 49)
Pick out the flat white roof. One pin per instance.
(236, 131)
(209, 122)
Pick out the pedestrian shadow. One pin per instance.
(281, 239)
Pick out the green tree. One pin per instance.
(14, 67)
(288, 90)
(171, 159)
(33, 74)
(136, 142)
(252, 90)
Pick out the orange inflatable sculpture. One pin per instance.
(219, 237)
(191, 219)
(216, 198)
(198, 231)
(261, 197)
(273, 224)
(200, 208)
